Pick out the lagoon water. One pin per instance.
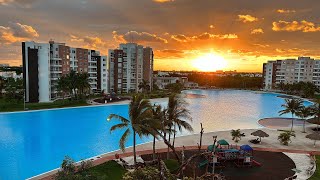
(35, 142)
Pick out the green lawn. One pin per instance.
(108, 170)
(316, 175)
(12, 106)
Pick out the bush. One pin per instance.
(146, 173)
(172, 165)
(285, 137)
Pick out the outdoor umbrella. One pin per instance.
(223, 142)
(260, 134)
(246, 148)
(314, 136)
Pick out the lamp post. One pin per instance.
(213, 157)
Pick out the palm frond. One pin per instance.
(115, 116)
(124, 139)
(119, 126)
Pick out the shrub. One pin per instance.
(285, 137)
(172, 165)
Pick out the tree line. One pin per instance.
(303, 89)
(229, 81)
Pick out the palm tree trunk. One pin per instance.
(292, 123)
(154, 148)
(168, 146)
(134, 148)
(174, 136)
(304, 126)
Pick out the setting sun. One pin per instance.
(209, 62)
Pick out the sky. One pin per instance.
(203, 35)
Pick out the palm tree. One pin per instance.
(178, 115)
(315, 111)
(291, 106)
(304, 113)
(144, 86)
(139, 122)
(83, 83)
(157, 115)
(62, 85)
(236, 135)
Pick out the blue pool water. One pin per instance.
(35, 142)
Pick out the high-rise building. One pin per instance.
(129, 65)
(45, 63)
(289, 71)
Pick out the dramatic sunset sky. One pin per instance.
(185, 34)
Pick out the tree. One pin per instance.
(14, 90)
(236, 135)
(2, 83)
(83, 83)
(62, 86)
(157, 115)
(178, 115)
(175, 87)
(285, 137)
(291, 106)
(304, 113)
(70, 172)
(140, 120)
(144, 86)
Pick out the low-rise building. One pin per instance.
(10, 74)
(162, 82)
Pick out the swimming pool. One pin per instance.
(35, 142)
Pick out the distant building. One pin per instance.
(191, 85)
(45, 63)
(4, 65)
(162, 82)
(10, 74)
(129, 66)
(291, 71)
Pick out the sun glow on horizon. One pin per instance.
(209, 62)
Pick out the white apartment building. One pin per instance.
(45, 63)
(291, 71)
(10, 74)
(129, 66)
(162, 82)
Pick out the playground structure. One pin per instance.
(223, 153)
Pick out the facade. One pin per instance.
(162, 82)
(4, 65)
(289, 71)
(129, 66)
(45, 63)
(10, 74)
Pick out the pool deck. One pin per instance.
(299, 144)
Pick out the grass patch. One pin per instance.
(172, 165)
(6, 106)
(316, 175)
(108, 170)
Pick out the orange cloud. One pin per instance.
(257, 31)
(169, 53)
(90, 42)
(285, 11)
(134, 36)
(303, 26)
(247, 18)
(203, 36)
(163, 1)
(17, 32)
